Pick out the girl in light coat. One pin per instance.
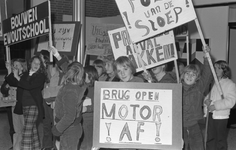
(219, 108)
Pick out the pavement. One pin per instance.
(5, 142)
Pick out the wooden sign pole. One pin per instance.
(177, 71)
(209, 58)
(187, 46)
(85, 58)
(8, 55)
(214, 75)
(50, 30)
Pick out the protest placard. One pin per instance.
(97, 39)
(146, 18)
(65, 37)
(138, 115)
(26, 25)
(154, 51)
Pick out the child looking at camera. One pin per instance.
(195, 85)
(126, 70)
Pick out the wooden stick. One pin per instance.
(8, 55)
(85, 57)
(214, 75)
(206, 129)
(207, 120)
(187, 46)
(209, 58)
(50, 29)
(177, 71)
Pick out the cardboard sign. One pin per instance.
(26, 25)
(65, 38)
(154, 51)
(97, 39)
(137, 115)
(147, 18)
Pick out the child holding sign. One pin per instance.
(195, 85)
(219, 109)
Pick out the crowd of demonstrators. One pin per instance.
(65, 116)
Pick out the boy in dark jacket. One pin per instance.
(194, 86)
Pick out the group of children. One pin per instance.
(73, 122)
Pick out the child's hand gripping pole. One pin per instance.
(207, 55)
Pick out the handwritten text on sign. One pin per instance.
(97, 39)
(98, 33)
(142, 116)
(63, 36)
(154, 51)
(26, 25)
(147, 18)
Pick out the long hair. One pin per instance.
(42, 68)
(225, 67)
(92, 74)
(46, 57)
(75, 74)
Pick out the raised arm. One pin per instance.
(206, 77)
(62, 62)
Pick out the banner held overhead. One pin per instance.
(153, 51)
(26, 25)
(145, 18)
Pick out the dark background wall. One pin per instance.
(94, 8)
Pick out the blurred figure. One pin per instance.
(100, 67)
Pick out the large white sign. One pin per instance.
(137, 115)
(147, 18)
(153, 52)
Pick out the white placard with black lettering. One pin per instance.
(147, 18)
